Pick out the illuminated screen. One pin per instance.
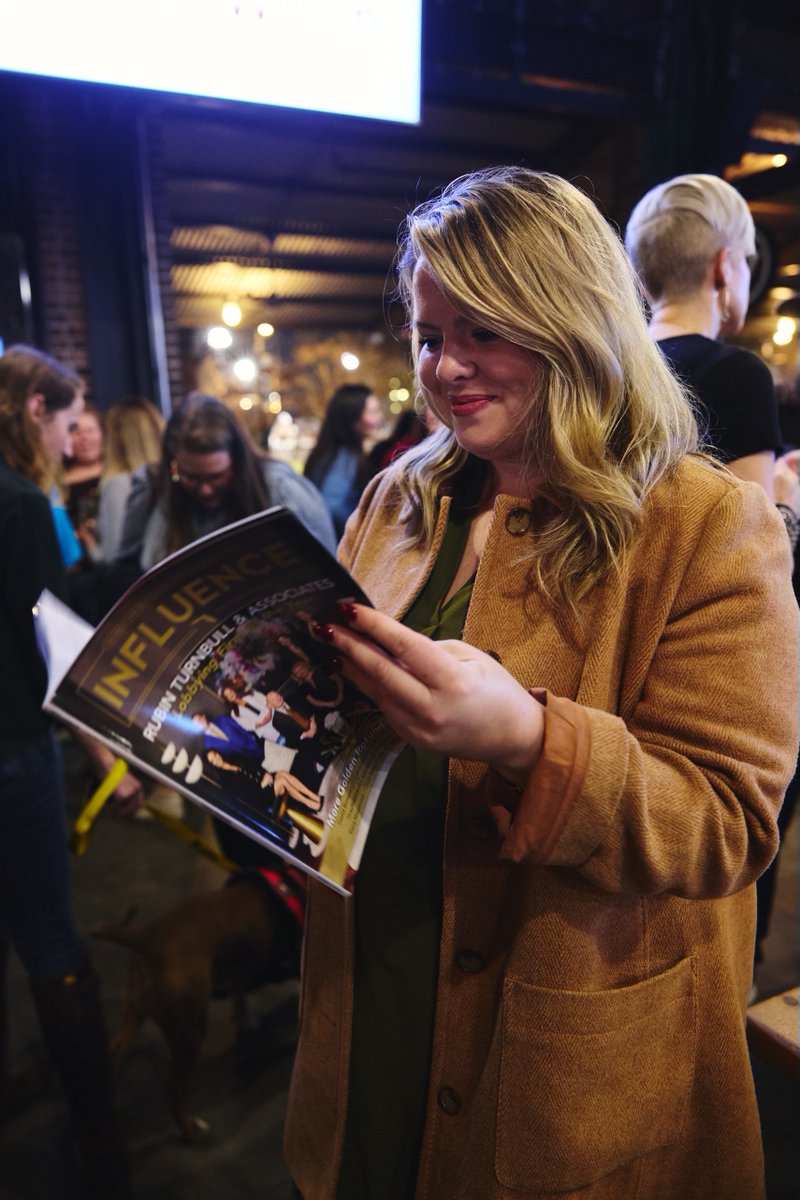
(338, 56)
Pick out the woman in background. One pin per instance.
(209, 475)
(337, 464)
(134, 431)
(40, 404)
(82, 471)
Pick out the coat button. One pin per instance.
(518, 521)
(470, 962)
(449, 1101)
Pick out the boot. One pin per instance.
(73, 1026)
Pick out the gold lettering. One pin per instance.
(157, 639)
(225, 576)
(184, 615)
(117, 682)
(105, 694)
(133, 649)
(200, 591)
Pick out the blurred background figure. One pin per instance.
(84, 468)
(209, 475)
(40, 404)
(692, 241)
(338, 463)
(134, 432)
(411, 427)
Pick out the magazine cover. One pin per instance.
(207, 675)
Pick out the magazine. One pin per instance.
(208, 676)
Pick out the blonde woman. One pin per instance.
(539, 984)
(134, 431)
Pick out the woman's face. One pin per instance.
(57, 429)
(207, 478)
(371, 418)
(480, 381)
(87, 440)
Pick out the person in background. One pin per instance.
(134, 432)
(550, 939)
(82, 470)
(692, 241)
(40, 404)
(337, 464)
(209, 475)
(409, 430)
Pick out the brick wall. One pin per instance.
(55, 263)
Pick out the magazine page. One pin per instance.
(207, 676)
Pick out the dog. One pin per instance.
(223, 942)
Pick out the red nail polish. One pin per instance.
(323, 632)
(349, 612)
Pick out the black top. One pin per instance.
(739, 409)
(31, 561)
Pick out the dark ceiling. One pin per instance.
(294, 215)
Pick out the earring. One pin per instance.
(174, 473)
(725, 305)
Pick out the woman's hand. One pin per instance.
(444, 696)
(129, 796)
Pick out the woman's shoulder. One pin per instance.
(701, 495)
(297, 493)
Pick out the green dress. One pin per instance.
(398, 917)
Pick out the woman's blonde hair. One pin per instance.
(134, 433)
(678, 227)
(527, 255)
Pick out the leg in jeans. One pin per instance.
(36, 909)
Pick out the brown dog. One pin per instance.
(221, 942)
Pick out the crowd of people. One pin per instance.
(579, 548)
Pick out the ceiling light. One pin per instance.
(245, 370)
(787, 327)
(350, 362)
(265, 329)
(231, 313)
(219, 338)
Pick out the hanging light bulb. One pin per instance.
(245, 370)
(219, 338)
(231, 313)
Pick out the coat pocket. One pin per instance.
(592, 1080)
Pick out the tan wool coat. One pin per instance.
(598, 930)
